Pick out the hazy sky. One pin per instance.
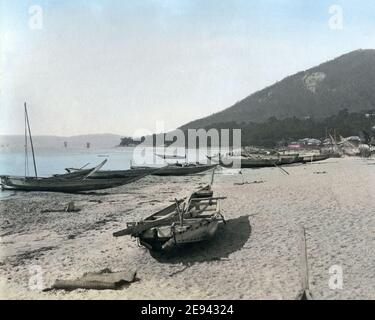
(117, 66)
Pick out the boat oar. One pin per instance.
(69, 170)
(84, 166)
(95, 169)
(212, 177)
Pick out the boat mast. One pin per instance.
(31, 141)
(26, 155)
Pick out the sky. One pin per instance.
(99, 66)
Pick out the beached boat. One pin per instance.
(183, 169)
(121, 174)
(177, 169)
(60, 184)
(315, 157)
(166, 156)
(285, 160)
(78, 181)
(186, 221)
(258, 162)
(108, 174)
(270, 161)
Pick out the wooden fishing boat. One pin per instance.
(177, 169)
(61, 184)
(315, 157)
(70, 183)
(186, 221)
(259, 162)
(120, 174)
(288, 159)
(166, 238)
(108, 174)
(183, 169)
(166, 156)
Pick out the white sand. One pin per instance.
(257, 256)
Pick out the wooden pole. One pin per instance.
(305, 293)
(31, 142)
(304, 268)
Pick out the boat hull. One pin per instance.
(168, 238)
(61, 185)
(107, 174)
(119, 174)
(316, 157)
(273, 162)
(173, 170)
(170, 227)
(263, 163)
(260, 163)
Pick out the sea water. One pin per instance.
(54, 161)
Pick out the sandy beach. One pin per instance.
(256, 255)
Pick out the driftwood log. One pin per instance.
(102, 280)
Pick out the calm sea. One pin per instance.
(51, 161)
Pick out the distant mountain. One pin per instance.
(95, 140)
(347, 82)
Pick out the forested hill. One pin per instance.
(346, 82)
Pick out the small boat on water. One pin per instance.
(186, 221)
